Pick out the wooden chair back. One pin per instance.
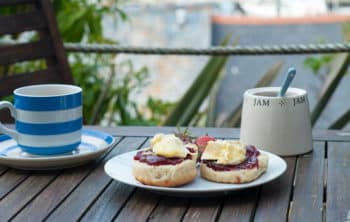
(34, 16)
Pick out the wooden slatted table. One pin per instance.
(315, 187)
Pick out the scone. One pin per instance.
(168, 162)
(232, 162)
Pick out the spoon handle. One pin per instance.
(289, 78)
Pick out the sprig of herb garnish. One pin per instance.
(185, 136)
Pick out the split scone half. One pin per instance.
(168, 162)
(229, 161)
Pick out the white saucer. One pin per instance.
(120, 168)
(93, 144)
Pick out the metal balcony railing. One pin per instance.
(236, 50)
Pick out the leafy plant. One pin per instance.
(189, 104)
(234, 118)
(81, 20)
(159, 109)
(211, 117)
(87, 74)
(341, 121)
(124, 111)
(336, 66)
(105, 91)
(338, 70)
(316, 63)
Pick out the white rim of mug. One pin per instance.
(75, 90)
(252, 92)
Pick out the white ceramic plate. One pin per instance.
(93, 144)
(120, 168)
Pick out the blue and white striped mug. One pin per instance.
(48, 118)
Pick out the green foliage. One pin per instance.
(346, 30)
(341, 121)
(234, 118)
(316, 63)
(334, 67)
(339, 68)
(105, 91)
(124, 111)
(159, 109)
(189, 104)
(85, 73)
(9, 10)
(81, 20)
(27, 66)
(210, 117)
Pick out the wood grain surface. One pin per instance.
(307, 202)
(240, 205)
(338, 181)
(274, 201)
(28, 21)
(314, 188)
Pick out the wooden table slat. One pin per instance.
(240, 205)
(80, 199)
(170, 209)
(2, 169)
(86, 193)
(308, 190)
(109, 203)
(10, 180)
(275, 196)
(18, 198)
(142, 202)
(55, 192)
(338, 182)
(204, 209)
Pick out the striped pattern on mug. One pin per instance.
(49, 123)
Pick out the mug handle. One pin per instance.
(10, 132)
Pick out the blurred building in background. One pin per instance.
(189, 23)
